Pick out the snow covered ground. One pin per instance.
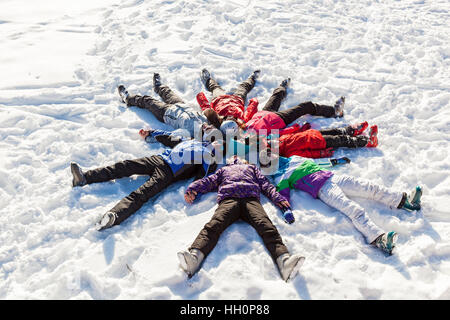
(60, 64)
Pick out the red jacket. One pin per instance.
(265, 120)
(229, 105)
(308, 144)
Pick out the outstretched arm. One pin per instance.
(270, 191)
(167, 138)
(252, 108)
(203, 185)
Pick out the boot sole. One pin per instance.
(75, 173)
(183, 263)
(416, 195)
(392, 240)
(296, 269)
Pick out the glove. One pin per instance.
(342, 160)
(288, 216)
(326, 153)
(203, 101)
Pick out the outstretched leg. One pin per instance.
(245, 87)
(349, 136)
(254, 214)
(274, 102)
(167, 94)
(127, 168)
(160, 178)
(158, 108)
(211, 85)
(357, 187)
(344, 141)
(335, 197)
(314, 109)
(226, 214)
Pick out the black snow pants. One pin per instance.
(158, 108)
(160, 176)
(249, 210)
(241, 91)
(342, 137)
(293, 113)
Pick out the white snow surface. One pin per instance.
(60, 64)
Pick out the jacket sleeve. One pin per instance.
(203, 101)
(289, 130)
(167, 138)
(313, 153)
(206, 184)
(252, 108)
(267, 188)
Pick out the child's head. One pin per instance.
(229, 127)
(236, 160)
(211, 133)
(268, 161)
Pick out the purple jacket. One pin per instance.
(237, 180)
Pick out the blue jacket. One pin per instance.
(185, 152)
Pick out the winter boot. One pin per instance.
(373, 139)
(339, 107)
(190, 261)
(386, 242)
(205, 76)
(256, 74)
(289, 265)
(411, 202)
(286, 83)
(107, 221)
(358, 129)
(123, 93)
(156, 82)
(78, 176)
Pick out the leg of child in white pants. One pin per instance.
(335, 193)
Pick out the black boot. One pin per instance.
(256, 74)
(286, 82)
(205, 76)
(78, 176)
(123, 93)
(339, 108)
(156, 82)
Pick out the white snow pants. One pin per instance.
(335, 193)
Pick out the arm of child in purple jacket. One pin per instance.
(207, 184)
(268, 189)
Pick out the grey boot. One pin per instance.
(78, 176)
(156, 82)
(205, 76)
(123, 93)
(286, 82)
(107, 221)
(289, 265)
(255, 74)
(190, 261)
(339, 107)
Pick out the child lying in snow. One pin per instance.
(304, 174)
(239, 185)
(172, 110)
(231, 107)
(174, 164)
(310, 143)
